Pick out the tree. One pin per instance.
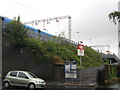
(114, 16)
(16, 32)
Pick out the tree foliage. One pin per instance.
(16, 32)
(110, 74)
(114, 16)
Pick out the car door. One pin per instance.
(13, 77)
(22, 79)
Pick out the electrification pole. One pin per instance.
(69, 29)
(51, 19)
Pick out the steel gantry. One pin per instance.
(52, 19)
(102, 46)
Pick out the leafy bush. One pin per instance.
(58, 53)
(16, 33)
(110, 73)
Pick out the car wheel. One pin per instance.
(31, 86)
(6, 85)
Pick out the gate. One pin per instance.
(87, 76)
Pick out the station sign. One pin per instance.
(80, 49)
(70, 69)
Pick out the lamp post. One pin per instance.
(78, 36)
(90, 43)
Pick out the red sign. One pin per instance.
(80, 50)
(80, 46)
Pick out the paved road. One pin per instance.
(68, 89)
(115, 86)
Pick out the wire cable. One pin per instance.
(29, 8)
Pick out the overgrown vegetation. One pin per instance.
(16, 32)
(50, 51)
(92, 58)
(110, 74)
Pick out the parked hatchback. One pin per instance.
(24, 79)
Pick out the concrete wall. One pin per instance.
(17, 58)
(0, 51)
(13, 59)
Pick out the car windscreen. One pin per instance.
(31, 75)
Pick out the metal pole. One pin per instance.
(78, 37)
(80, 75)
(80, 61)
(1, 29)
(44, 25)
(80, 67)
(69, 28)
(58, 28)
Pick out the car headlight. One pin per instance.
(37, 81)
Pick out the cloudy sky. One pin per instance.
(89, 18)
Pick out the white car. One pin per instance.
(24, 79)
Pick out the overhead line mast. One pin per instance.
(57, 20)
(102, 46)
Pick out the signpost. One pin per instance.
(80, 49)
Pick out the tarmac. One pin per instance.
(63, 84)
(58, 84)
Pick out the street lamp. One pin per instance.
(90, 42)
(78, 36)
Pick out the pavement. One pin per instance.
(56, 84)
(59, 84)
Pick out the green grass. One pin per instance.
(57, 53)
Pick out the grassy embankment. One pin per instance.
(50, 51)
